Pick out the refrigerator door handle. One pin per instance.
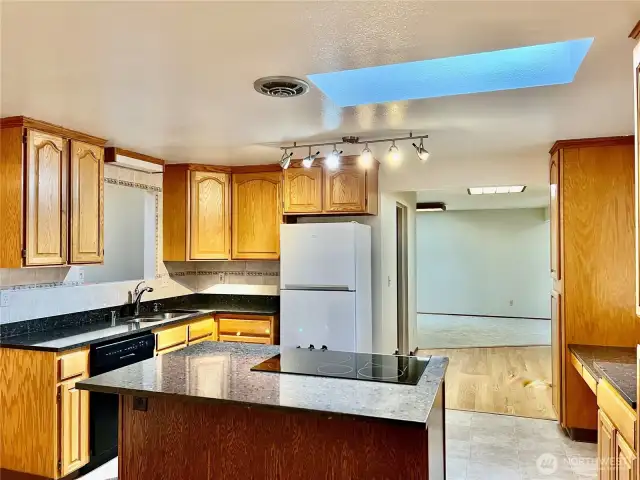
(333, 288)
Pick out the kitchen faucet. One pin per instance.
(137, 295)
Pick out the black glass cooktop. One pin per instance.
(355, 366)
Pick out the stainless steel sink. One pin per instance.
(161, 316)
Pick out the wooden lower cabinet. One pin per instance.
(606, 447)
(73, 407)
(44, 420)
(626, 460)
(249, 329)
(616, 458)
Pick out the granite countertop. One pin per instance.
(220, 372)
(81, 335)
(615, 364)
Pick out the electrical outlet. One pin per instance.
(81, 274)
(221, 277)
(511, 303)
(4, 298)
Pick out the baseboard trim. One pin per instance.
(483, 316)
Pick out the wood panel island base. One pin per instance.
(201, 413)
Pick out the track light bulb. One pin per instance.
(285, 161)
(332, 162)
(394, 155)
(423, 155)
(366, 157)
(307, 161)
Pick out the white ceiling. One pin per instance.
(175, 79)
(459, 199)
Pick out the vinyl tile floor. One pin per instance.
(482, 446)
(450, 331)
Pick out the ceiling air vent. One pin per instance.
(281, 86)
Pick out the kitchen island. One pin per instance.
(203, 413)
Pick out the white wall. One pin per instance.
(477, 262)
(383, 268)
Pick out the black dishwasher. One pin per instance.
(103, 407)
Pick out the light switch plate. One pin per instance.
(4, 298)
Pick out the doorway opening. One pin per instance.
(402, 279)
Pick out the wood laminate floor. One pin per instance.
(506, 380)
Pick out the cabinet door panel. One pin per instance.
(73, 428)
(46, 200)
(257, 215)
(87, 203)
(554, 214)
(303, 190)
(209, 220)
(345, 189)
(606, 447)
(626, 460)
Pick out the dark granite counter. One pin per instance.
(220, 372)
(616, 364)
(79, 335)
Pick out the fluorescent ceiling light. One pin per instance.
(494, 190)
(523, 67)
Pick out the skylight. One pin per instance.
(523, 67)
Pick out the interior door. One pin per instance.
(73, 428)
(317, 256)
(87, 203)
(210, 205)
(46, 200)
(318, 318)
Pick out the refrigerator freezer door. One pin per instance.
(318, 256)
(318, 318)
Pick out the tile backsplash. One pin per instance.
(30, 293)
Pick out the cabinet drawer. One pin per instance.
(73, 364)
(245, 339)
(619, 411)
(576, 363)
(170, 337)
(242, 327)
(180, 346)
(591, 382)
(201, 328)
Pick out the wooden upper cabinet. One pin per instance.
(303, 190)
(257, 215)
(46, 199)
(554, 214)
(637, 178)
(210, 208)
(345, 189)
(87, 203)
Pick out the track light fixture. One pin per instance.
(285, 161)
(366, 157)
(307, 161)
(423, 155)
(332, 161)
(395, 157)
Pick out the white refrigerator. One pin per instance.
(325, 286)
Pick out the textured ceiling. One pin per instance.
(174, 79)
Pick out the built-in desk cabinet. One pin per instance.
(51, 195)
(349, 189)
